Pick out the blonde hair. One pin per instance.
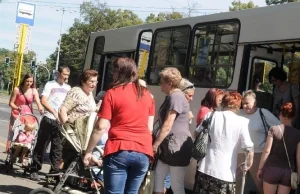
(29, 126)
(186, 85)
(171, 75)
(249, 93)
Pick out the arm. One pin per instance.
(247, 145)
(62, 114)
(44, 100)
(298, 161)
(165, 129)
(37, 100)
(266, 152)
(13, 99)
(97, 133)
(150, 123)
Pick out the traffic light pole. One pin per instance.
(19, 62)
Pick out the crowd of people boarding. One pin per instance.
(242, 136)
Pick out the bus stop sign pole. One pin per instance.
(20, 54)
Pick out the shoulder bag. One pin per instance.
(200, 145)
(294, 177)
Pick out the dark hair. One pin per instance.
(61, 68)
(232, 100)
(86, 75)
(124, 71)
(26, 76)
(287, 110)
(210, 99)
(277, 73)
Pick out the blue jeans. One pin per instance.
(124, 172)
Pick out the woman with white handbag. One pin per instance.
(281, 155)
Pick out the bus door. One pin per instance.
(261, 61)
(106, 71)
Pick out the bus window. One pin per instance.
(213, 54)
(170, 50)
(144, 46)
(260, 73)
(98, 50)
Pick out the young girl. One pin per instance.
(23, 141)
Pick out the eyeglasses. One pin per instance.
(92, 82)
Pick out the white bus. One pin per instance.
(224, 50)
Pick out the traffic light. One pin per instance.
(7, 61)
(33, 65)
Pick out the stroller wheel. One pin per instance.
(42, 190)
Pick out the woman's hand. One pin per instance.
(19, 108)
(87, 159)
(155, 148)
(41, 110)
(259, 174)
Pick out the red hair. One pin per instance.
(287, 110)
(210, 99)
(232, 100)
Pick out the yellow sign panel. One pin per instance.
(294, 73)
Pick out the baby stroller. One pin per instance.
(77, 178)
(16, 149)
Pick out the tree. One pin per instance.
(95, 17)
(163, 17)
(238, 5)
(275, 2)
(7, 73)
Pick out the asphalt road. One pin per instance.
(14, 182)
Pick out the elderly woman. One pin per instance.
(174, 140)
(228, 133)
(281, 154)
(258, 118)
(77, 106)
(129, 108)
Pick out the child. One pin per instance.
(23, 141)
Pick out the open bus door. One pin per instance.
(261, 61)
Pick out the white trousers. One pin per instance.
(177, 177)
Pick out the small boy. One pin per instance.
(23, 141)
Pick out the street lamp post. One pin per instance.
(58, 50)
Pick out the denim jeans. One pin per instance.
(124, 172)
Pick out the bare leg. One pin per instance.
(283, 189)
(269, 188)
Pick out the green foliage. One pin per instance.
(275, 2)
(238, 5)
(94, 17)
(163, 17)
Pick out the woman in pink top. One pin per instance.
(211, 101)
(21, 101)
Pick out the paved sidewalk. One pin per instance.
(15, 182)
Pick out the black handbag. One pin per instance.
(199, 149)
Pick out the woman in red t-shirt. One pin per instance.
(129, 108)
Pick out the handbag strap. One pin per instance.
(209, 121)
(263, 118)
(287, 155)
(26, 99)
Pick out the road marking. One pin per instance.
(2, 144)
(6, 121)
